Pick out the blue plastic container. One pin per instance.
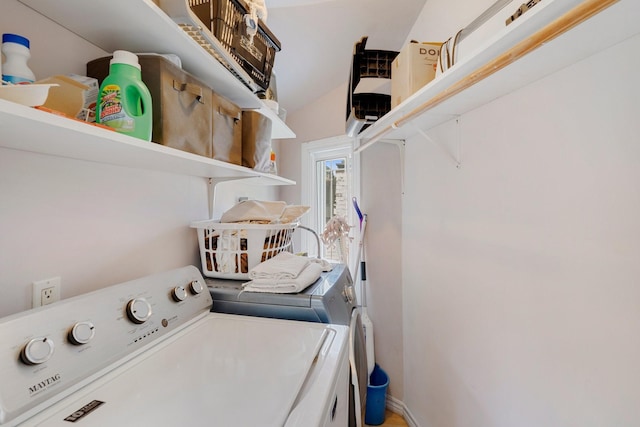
(376, 397)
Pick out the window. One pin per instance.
(329, 182)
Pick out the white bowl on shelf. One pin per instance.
(31, 95)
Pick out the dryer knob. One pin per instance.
(196, 287)
(138, 310)
(349, 294)
(82, 333)
(37, 351)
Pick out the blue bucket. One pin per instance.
(376, 397)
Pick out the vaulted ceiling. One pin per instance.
(318, 37)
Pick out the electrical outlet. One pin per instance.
(46, 291)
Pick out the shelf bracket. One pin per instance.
(212, 186)
(259, 179)
(456, 157)
(400, 143)
(369, 143)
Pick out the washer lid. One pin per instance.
(223, 370)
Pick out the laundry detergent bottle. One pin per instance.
(124, 101)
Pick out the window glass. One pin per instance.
(330, 184)
(334, 185)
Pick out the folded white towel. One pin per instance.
(326, 265)
(286, 286)
(284, 265)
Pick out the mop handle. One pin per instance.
(357, 208)
(360, 255)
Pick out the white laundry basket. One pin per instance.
(230, 250)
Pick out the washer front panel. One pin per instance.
(46, 352)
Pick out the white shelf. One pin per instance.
(442, 100)
(29, 129)
(141, 26)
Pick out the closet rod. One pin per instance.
(572, 18)
(486, 15)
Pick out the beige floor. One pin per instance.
(393, 420)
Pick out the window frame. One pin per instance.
(320, 150)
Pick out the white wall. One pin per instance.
(322, 119)
(521, 268)
(381, 200)
(92, 224)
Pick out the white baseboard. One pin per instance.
(395, 405)
(398, 407)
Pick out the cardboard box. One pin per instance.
(256, 141)
(187, 114)
(414, 67)
(75, 96)
(226, 126)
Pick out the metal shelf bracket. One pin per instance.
(456, 157)
(212, 185)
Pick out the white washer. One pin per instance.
(331, 299)
(149, 353)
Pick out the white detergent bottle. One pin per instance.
(16, 51)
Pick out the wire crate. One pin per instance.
(366, 108)
(370, 63)
(363, 109)
(230, 250)
(226, 20)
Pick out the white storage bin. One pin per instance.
(230, 250)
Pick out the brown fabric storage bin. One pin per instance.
(182, 105)
(256, 141)
(227, 130)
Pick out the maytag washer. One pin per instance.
(331, 299)
(149, 352)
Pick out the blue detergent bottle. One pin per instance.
(124, 101)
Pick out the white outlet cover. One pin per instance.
(40, 285)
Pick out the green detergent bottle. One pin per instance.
(124, 101)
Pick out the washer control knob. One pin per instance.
(349, 294)
(37, 351)
(82, 333)
(179, 293)
(196, 287)
(138, 310)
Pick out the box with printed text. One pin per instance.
(414, 67)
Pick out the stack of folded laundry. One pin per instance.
(285, 273)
